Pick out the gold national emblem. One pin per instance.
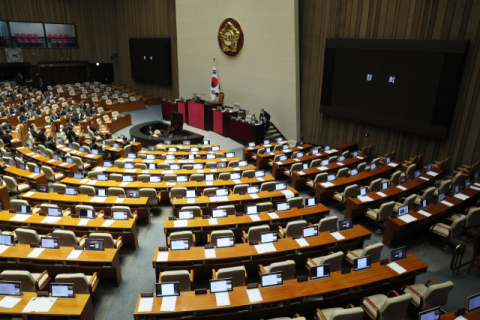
(230, 37)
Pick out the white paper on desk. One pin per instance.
(119, 200)
(3, 248)
(424, 178)
(167, 171)
(265, 247)
(402, 188)
(322, 168)
(51, 219)
(447, 203)
(279, 163)
(98, 199)
(123, 184)
(288, 194)
(33, 175)
(426, 214)
(250, 148)
(220, 199)
(461, 196)
(213, 170)
(254, 217)
(260, 179)
(168, 303)
(475, 188)
(128, 160)
(210, 253)
(108, 223)
(236, 169)
(171, 183)
(182, 161)
(407, 218)
(199, 171)
(130, 170)
(36, 156)
(340, 163)
(145, 305)
(209, 183)
(144, 171)
(92, 182)
(254, 196)
(393, 164)
(302, 242)
(212, 221)
(29, 194)
(162, 256)
(460, 318)
(35, 252)
(431, 173)
(39, 305)
(359, 157)
(254, 295)
(381, 194)
(273, 215)
(63, 164)
(337, 235)
(364, 198)
(147, 161)
(222, 299)
(397, 268)
(237, 181)
(331, 151)
(271, 153)
(297, 160)
(9, 302)
(83, 222)
(74, 254)
(180, 223)
(477, 184)
(191, 201)
(83, 181)
(327, 184)
(99, 169)
(265, 145)
(20, 217)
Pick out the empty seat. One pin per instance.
(238, 275)
(349, 313)
(350, 191)
(293, 229)
(116, 192)
(84, 284)
(28, 236)
(382, 307)
(318, 179)
(67, 238)
(212, 238)
(426, 297)
(182, 235)
(327, 224)
(287, 267)
(448, 231)
(31, 282)
(151, 194)
(229, 207)
(373, 251)
(254, 233)
(13, 186)
(333, 258)
(295, 202)
(108, 241)
(183, 277)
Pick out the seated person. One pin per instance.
(50, 144)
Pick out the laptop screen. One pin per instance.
(311, 202)
(155, 179)
(230, 155)
(87, 214)
(417, 173)
(325, 162)
(283, 158)
(107, 164)
(62, 290)
(361, 263)
(210, 156)
(384, 186)
(36, 170)
(272, 279)
(403, 179)
(166, 289)
(219, 213)
(432, 314)
(120, 215)
(280, 186)
(191, 194)
(7, 240)
(54, 212)
(283, 206)
(398, 254)
(150, 157)
(285, 146)
(209, 177)
(265, 141)
(310, 231)
(251, 144)
(402, 210)
(221, 165)
(78, 175)
(252, 190)
(474, 302)
(151, 166)
(151, 148)
(456, 189)
(221, 192)
(174, 167)
(49, 243)
(331, 177)
(127, 178)
(129, 165)
(172, 149)
(182, 178)
(259, 173)
(185, 215)
(94, 245)
(42, 188)
(300, 154)
(225, 242)
(216, 148)
(251, 210)
(221, 285)
(441, 196)
(345, 224)
(268, 237)
(10, 288)
(198, 166)
(319, 272)
(242, 163)
(191, 157)
(194, 149)
(186, 142)
(423, 204)
(315, 151)
(22, 209)
(101, 192)
(305, 166)
(132, 193)
(102, 177)
(234, 176)
(170, 157)
(363, 191)
(179, 244)
(341, 158)
(353, 172)
(71, 191)
(373, 166)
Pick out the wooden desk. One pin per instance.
(247, 255)
(84, 123)
(81, 308)
(292, 297)
(351, 146)
(325, 193)
(127, 106)
(396, 228)
(95, 160)
(46, 161)
(244, 132)
(264, 158)
(182, 153)
(63, 201)
(127, 229)
(117, 124)
(279, 167)
(300, 180)
(4, 198)
(13, 119)
(356, 208)
(184, 161)
(474, 315)
(239, 201)
(248, 151)
(201, 227)
(38, 121)
(106, 263)
(28, 176)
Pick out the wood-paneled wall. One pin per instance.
(391, 19)
(102, 27)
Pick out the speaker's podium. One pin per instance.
(176, 122)
(200, 114)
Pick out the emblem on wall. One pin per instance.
(230, 37)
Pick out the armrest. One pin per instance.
(48, 235)
(118, 240)
(321, 314)
(191, 278)
(394, 292)
(280, 228)
(350, 306)
(430, 280)
(194, 240)
(261, 270)
(100, 212)
(246, 274)
(83, 237)
(416, 293)
(135, 213)
(311, 261)
(214, 274)
(65, 211)
(296, 315)
(456, 214)
(91, 280)
(374, 210)
(208, 238)
(38, 205)
(39, 278)
(168, 241)
(244, 236)
(353, 253)
(372, 305)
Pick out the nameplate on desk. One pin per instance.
(348, 270)
(34, 245)
(206, 217)
(333, 230)
(75, 216)
(162, 248)
(270, 190)
(252, 286)
(242, 193)
(78, 248)
(253, 243)
(271, 210)
(42, 294)
(90, 195)
(300, 207)
(302, 279)
(200, 291)
(12, 211)
(384, 261)
(209, 246)
(146, 294)
(459, 312)
(239, 214)
(172, 218)
(296, 237)
(42, 213)
(61, 192)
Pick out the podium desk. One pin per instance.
(24, 175)
(278, 168)
(105, 204)
(325, 191)
(201, 227)
(238, 200)
(79, 308)
(264, 158)
(200, 114)
(248, 151)
(356, 208)
(127, 229)
(221, 121)
(292, 296)
(244, 132)
(396, 228)
(167, 108)
(182, 108)
(248, 256)
(299, 178)
(106, 263)
(56, 165)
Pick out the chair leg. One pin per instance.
(446, 246)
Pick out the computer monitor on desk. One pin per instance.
(219, 213)
(272, 279)
(7, 240)
(62, 290)
(473, 302)
(225, 242)
(431, 314)
(362, 263)
(268, 237)
(185, 215)
(179, 244)
(221, 285)
(10, 288)
(398, 254)
(166, 289)
(320, 272)
(309, 231)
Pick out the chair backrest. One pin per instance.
(79, 207)
(456, 227)
(362, 166)
(287, 267)
(86, 189)
(320, 177)
(373, 251)
(151, 194)
(78, 279)
(349, 192)
(59, 187)
(197, 211)
(347, 314)
(335, 260)
(409, 201)
(264, 206)
(27, 236)
(181, 276)
(219, 233)
(342, 173)
(395, 178)
(436, 295)
(295, 202)
(375, 185)
(332, 159)
(177, 192)
(295, 228)
(267, 186)
(472, 220)
(123, 209)
(410, 172)
(229, 207)
(395, 307)
(115, 192)
(255, 232)
(107, 238)
(25, 277)
(428, 194)
(385, 210)
(240, 188)
(10, 183)
(236, 273)
(327, 224)
(457, 179)
(66, 238)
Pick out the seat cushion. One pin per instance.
(350, 256)
(310, 183)
(420, 288)
(338, 197)
(59, 175)
(42, 280)
(455, 217)
(378, 300)
(372, 214)
(21, 187)
(439, 228)
(328, 312)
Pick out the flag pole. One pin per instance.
(214, 62)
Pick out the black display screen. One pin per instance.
(151, 60)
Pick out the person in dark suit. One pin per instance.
(93, 144)
(91, 112)
(75, 120)
(22, 108)
(20, 80)
(265, 117)
(30, 89)
(4, 113)
(195, 98)
(38, 111)
(22, 117)
(83, 115)
(43, 86)
(125, 142)
(71, 136)
(95, 130)
(63, 113)
(7, 126)
(7, 138)
(41, 138)
(2, 98)
(50, 144)
(12, 109)
(54, 116)
(32, 131)
(10, 95)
